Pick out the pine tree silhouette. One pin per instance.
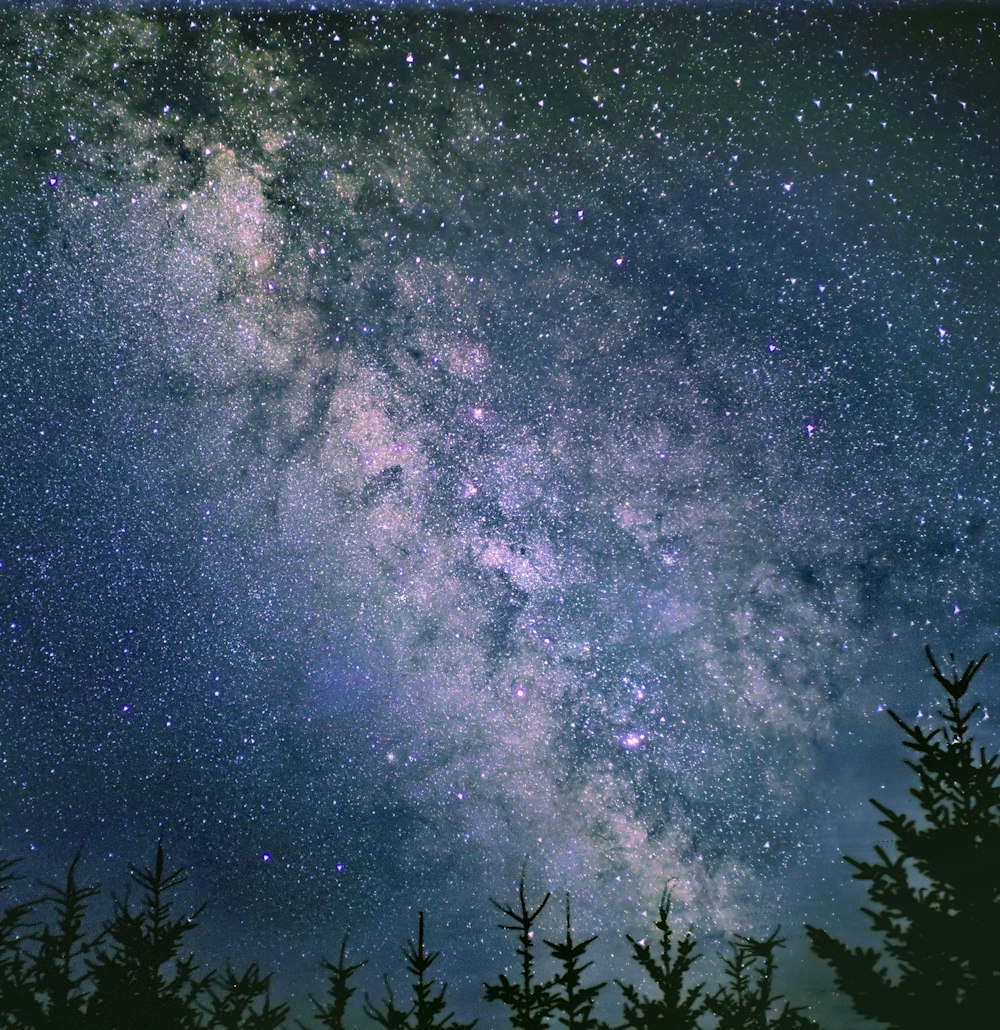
(745, 1001)
(388, 1013)
(530, 1003)
(427, 1011)
(59, 966)
(18, 1008)
(572, 1002)
(936, 902)
(141, 970)
(339, 991)
(679, 1007)
(242, 1001)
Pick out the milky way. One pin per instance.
(431, 440)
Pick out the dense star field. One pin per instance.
(430, 439)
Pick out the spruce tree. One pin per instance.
(427, 1010)
(58, 967)
(242, 1001)
(339, 990)
(529, 1001)
(573, 1004)
(140, 969)
(679, 1006)
(18, 1007)
(746, 1000)
(934, 898)
(387, 1013)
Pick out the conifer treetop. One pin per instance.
(934, 892)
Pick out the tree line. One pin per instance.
(933, 906)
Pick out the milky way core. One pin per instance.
(436, 444)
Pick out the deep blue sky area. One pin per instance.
(434, 438)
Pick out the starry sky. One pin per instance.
(434, 438)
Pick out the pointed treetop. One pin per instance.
(955, 685)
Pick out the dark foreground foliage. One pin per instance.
(137, 970)
(935, 903)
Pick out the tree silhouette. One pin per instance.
(134, 974)
(242, 1001)
(339, 990)
(141, 969)
(572, 1002)
(936, 902)
(388, 1013)
(427, 1011)
(18, 1008)
(679, 1006)
(59, 966)
(746, 999)
(530, 1002)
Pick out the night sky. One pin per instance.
(433, 439)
